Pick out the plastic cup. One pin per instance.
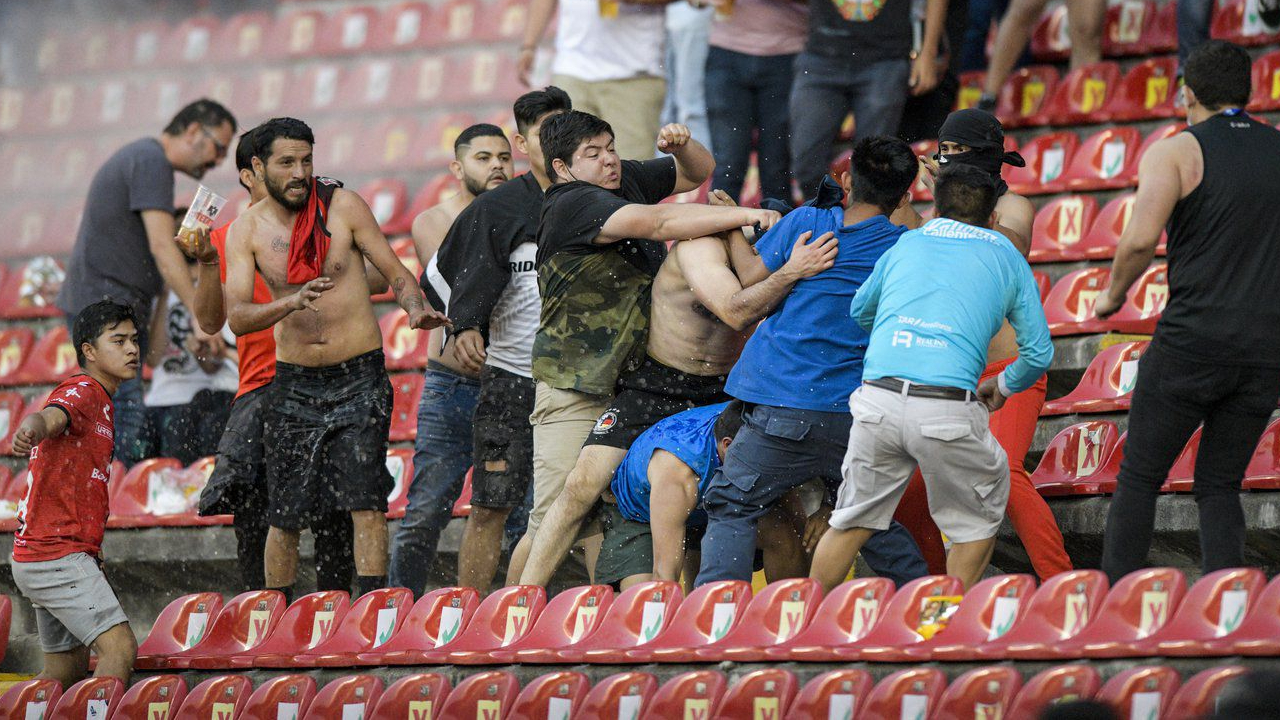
(202, 213)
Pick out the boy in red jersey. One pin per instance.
(57, 551)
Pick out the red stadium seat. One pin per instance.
(111, 104)
(709, 614)
(12, 103)
(262, 92)
(765, 694)
(637, 616)
(906, 694)
(190, 42)
(512, 15)
(691, 695)
(348, 31)
(436, 620)
(625, 695)
(1263, 472)
(308, 622)
(369, 85)
(11, 494)
(91, 698)
(392, 150)
(1100, 162)
(1214, 608)
(1183, 473)
(404, 407)
(11, 415)
(1234, 21)
(30, 291)
(404, 347)
(1069, 305)
(487, 695)
(970, 91)
(1083, 95)
(1126, 28)
(400, 465)
(1059, 610)
(161, 100)
(1143, 304)
(316, 91)
(1042, 281)
(157, 697)
(1152, 138)
(51, 360)
(1048, 157)
(406, 26)
(1197, 697)
(283, 696)
(504, 617)
(459, 18)
(415, 697)
(1141, 692)
(1162, 32)
(242, 39)
(351, 696)
(1135, 609)
(1025, 96)
(569, 617)
(437, 189)
(554, 696)
(1055, 685)
(1257, 635)
(182, 624)
(143, 42)
(986, 692)
(1050, 40)
(777, 614)
(96, 49)
(131, 498)
(1074, 461)
(1103, 236)
(30, 698)
(420, 81)
(1266, 83)
(370, 623)
(896, 624)
(388, 199)
(989, 610)
(218, 697)
(834, 694)
(56, 108)
(1148, 90)
(1060, 226)
(434, 146)
(1107, 385)
(296, 35)
(486, 76)
(28, 224)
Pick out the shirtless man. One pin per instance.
(325, 433)
(975, 137)
(442, 450)
(701, 316)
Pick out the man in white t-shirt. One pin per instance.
(609, 59)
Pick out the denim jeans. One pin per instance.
(688, 32)
(748, 95)
(442, 453)
(776, 450)
(825, 91)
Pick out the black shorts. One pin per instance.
(651, 393)
(239, 471)
(503, 439)
(325, 433)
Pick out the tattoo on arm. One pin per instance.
(409, 296)
(279, 244)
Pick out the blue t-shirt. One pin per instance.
(808, 354)
(690, 436)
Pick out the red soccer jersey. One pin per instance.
(65, 508)
(257, 350)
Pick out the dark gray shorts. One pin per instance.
(74, 604)
(502, 438)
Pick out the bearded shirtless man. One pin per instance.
(325, 433)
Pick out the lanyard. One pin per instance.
(1233, 112)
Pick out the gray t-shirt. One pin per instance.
(112, 259)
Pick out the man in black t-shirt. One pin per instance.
(1215, 358)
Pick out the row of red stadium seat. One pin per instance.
(985, 692)
(1073, 615)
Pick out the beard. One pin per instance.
(278, 193)
(474, 186)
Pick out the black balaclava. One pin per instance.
(982, 133)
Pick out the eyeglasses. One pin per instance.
(222, 149)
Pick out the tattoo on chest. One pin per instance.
(279, 244)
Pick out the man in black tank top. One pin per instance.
(1215, 358)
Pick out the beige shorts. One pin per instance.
(631, 106)
(561, 420)
(966, 472)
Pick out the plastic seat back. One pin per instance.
(1025, 96)
(1263, 472)
(51, 360)
(400, 465)
(780, 612)
(309, 621)
(1048, 158)
(182, 624)
(91, 699)
(370, 623)
(218, 698)
(435, 620)
(1074, 457)
(834, 694)
(1060, 610)
(1101, 161)
(1197, 696)
(30, 698)
(554, 696)
(242, 624)
(416, 697)
(1083, 95)
(405, 348)
(693, 695)
(1060, 226)
(155, 698)
(1148, 91)
(407, 389)
(1107, 385)
(11, 416)
(388, 198)
(15, 345)
(710, 613)
(970, 91)
(1266, 83)
(1141, 692)
(568, 618)
(637, 616)
(988, 612)
(283, 697)
(488, 695)
(406, 26)
(1143, 305)
(1057, 684)
(764, 694)
(910, 693)
(1136, 608)
(241, 38)
(1126, 26)
(1069, 306)
(900, 617)
(12, 491)
(353, 696)
(1214, 607)
(980, 693)
(504, 617)
(347, 31)
(846, 616)
(624, 696)
(1236, 21)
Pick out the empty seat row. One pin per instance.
(1069, 305)
(1071, 228)
(1073, 615)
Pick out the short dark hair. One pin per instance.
(287, 128)
(729, 422)
(563, 133)
(245, 150)
(965, 193)
(881, 170)
(476, 131)
(533, 105)
(1220, 74)
(209, 113)
(96, 318)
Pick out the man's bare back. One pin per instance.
(683, 332)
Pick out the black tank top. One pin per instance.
(1224, 249)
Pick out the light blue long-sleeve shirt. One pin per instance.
(935, 300)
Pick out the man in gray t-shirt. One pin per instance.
(124, 247)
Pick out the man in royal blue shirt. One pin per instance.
(798, 369)
(933, 304)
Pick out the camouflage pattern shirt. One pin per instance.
(595, 298)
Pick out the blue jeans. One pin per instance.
(749, 94)
(825, 91)
(688, 32)
(776, 450)
(442, 453)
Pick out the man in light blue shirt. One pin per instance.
(932, 304)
